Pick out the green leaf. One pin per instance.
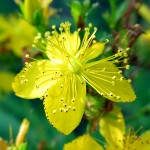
(120, 10)
(76, 10)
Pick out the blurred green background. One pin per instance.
(109, 21)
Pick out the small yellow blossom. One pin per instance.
(61, 79)
(17, 34)
(112, 128)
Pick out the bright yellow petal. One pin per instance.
(71, 42)
(84, 142)
(35, 79)
(106, 79)
(92, 52)
(112, 128)
(64, 105)
(142, 142)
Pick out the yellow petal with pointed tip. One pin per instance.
(65, 102)
(71, 42)
(93, 51)
(35, 79)
(105, 78)
(112, 128)
(84, 142)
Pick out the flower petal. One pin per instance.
(112, 128)
(35, 78)
(93, 51)
(84, 142)
(60, 46)
(71, 42)
(142, 142)
(107, 80)
(64, 105)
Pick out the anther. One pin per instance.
(125, 54)
(69, 107)
(119, 51)
(27, 56)
(53, 27)
(114, 77)
(129, 80)
(125, 60)
(26, 63)
(61, 86)
(47, 33)
(127, 66)
(26, 80)
(73, 108)
(94, 41)
(90, 25)
(62, 99)
(121, 78)
(61, 109)
(106, 41)
(54, 111)
(118, 98)
(73, 100)
(60, 29)
(102, 94)
(79, 29)
(61, 74)
(127, 49)
(66, 110)
(110, 94)
(95, 29)
(119, 72)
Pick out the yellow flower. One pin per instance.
(112, 128)
(17, 34)
(61, 79)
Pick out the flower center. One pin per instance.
(73, 65)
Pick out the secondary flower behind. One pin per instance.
(113, 129)
(61, 79)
